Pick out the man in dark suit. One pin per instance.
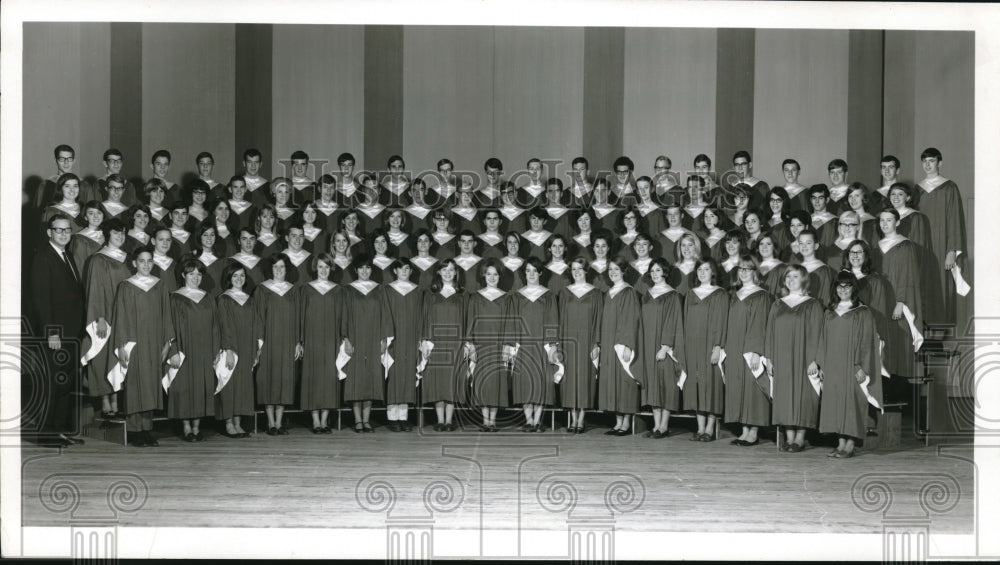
(57, 289)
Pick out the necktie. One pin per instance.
(72, 267)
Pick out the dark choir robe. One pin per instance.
(486, 197)
(134, 240)
(559, 221)
(371, 216)
(511, 278)
(211, 281)
(278, 306)
(875, 293)
(869, 228)
(728, 271)
(579, 246)
(834, 253)
(513, 218)
(322, 318)
(404, 303)
(747, 397)
(821, 278)
(445, 376)
(825, 225)
(399, 243)
(168, 270)
(258, 191)
(605, 216)
(286, 215)
(534, 243)
(144, 322)
(598, 275)
(650, 218)
(466, 218)
(772, 272)
(268, 243)
(242, 212)
(622, 246)
(468, 267)
(791, 342)
(444, 246)
(667, 241)
(394, 192)
(898, 260)
(159, 218)
(662, 324)
(621, 324)
(83, 244)
(782, 237)
(682, 277)
(342, 271)
(555, 276)
(418, 217)
(757, 191)
(580, 313)
(181, 244)
(113, 209)
(195, 218)
(850, 343)
(381, 269)
(301, 263)
(254, 269)
(316, 239)
(705, 319)
(192, 392)
(635, 274)
(798, 198)
(692, 218)
(530, 195)
(173, 194)
(423, 270)
(491, 245)
(485, 322)
(241, 330)
(712, 246)
(226, 237)
(942, 205)
(531, 323)
(328, 218)
(102, 274)
(367, 324)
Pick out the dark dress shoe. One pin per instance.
(439, 427)
(282, 432)
(150, 440)
(844, 454)
(368, 428)
(611, 432)
(695, 437)
(326, 430)
(406, 427)
(243, 434)
(317, 430)
(139, 439)
(189, 438)
(358, 428)
(795, 448)
(199, 437)
(623, 433)
(706, 438)
(394, 427)
(494, 429)
(657, 434)
(750, 443)
(272, 431)
(230, 435)
(449, 427)
(539, 428)
(484, 428)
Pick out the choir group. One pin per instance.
(746, 303)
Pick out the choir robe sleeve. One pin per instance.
(880, 304)
(718, 319)
(954, 221)
(227, 324)
(386, 327)
(769, 337)
(100, 292)
(920, 230)
(906, 278)
(672, 329)
(169, 335)
(866, 353)
(470, 319)
(512, 334)
(551, 319)
(627, 332)
(756, 326)
(814, 331)
(595, 326)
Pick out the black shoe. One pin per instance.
(406, 427)
(139, 439)
(449, 427)
(750, 443)
(150, 440)
(581, 429)
(233, 435)
(611, 432)
(539, 428)
(657, 434)
(326, 430)
(484, 428)
(623, 433)
(439, 427)
(494, 429)
(359, 427)
(368, 428)
(272, 431)
(243, 435)
(282, 432)
(199, 437)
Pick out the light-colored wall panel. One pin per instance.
(188, 97)
(447, 96)
(800, 102)
(538, 96)
(318, 93)
(670, 78)
(66, 93)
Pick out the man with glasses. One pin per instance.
(668, 190)
(113, 163)
(488, 193)
(755, 188)
(623, 183)
(58, 296)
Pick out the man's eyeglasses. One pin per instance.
(62, 231)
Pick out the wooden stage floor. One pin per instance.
(496, 481)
